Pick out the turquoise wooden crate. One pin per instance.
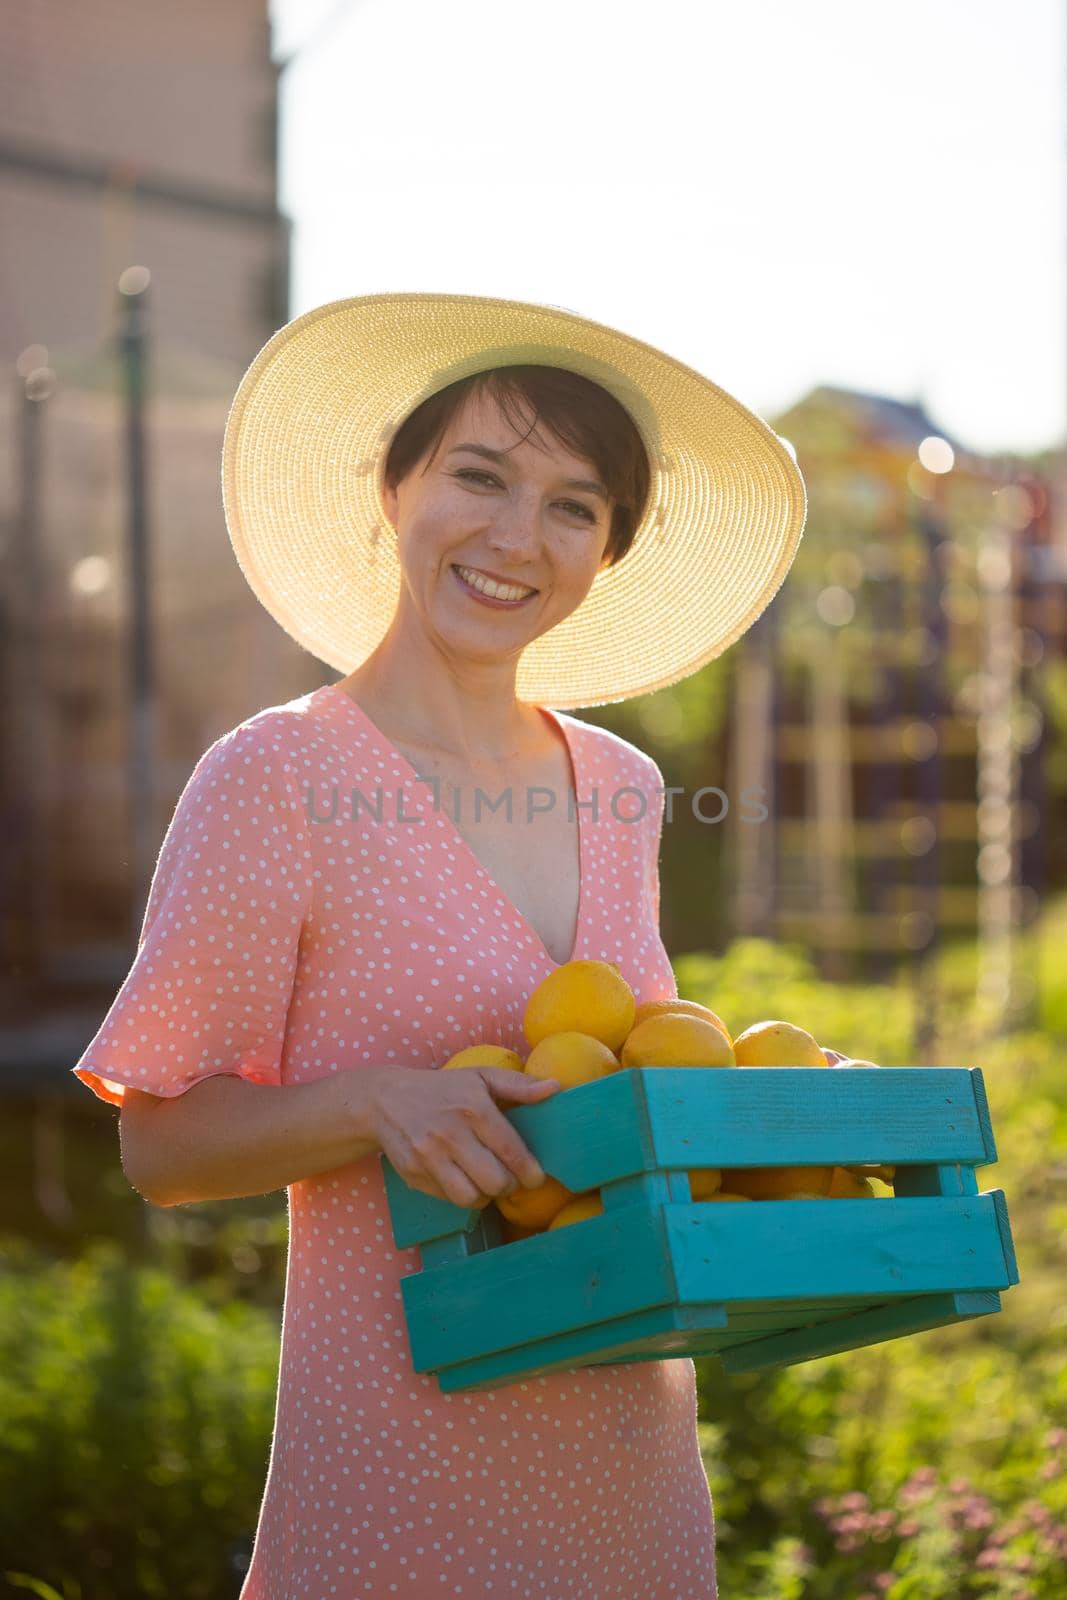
(762, 1284)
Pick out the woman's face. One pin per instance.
(529, 519)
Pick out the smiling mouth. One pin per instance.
(488, 589)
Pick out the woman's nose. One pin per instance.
(517, 527)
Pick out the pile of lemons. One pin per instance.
(583, 1022)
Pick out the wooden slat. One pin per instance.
(624, 1339)
(743, 1345)
(503, 1302)
(880, 836)
(890, 1321)
(1000, 1205)
(542, 1288)
(862, 931)
(899, 1248)
(638, 1120)
(756, 1117)
(880, 742)
(985, 1121)
(643, 1336)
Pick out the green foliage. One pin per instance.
(137, 1426)
(932, 1467)
(138, 1399)
(925, 1467)
(1054, 684)
(676, 725)
(22, 1580)
(928, 1468)
(1044, 953)
(873, 1021)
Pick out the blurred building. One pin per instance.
(132, 134)
(892, 703)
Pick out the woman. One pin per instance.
(473, 509)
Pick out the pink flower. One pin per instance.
(918, 1486)
(847, 1544)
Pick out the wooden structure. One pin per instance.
(93, 188)
(890, 703)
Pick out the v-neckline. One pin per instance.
(576, 778)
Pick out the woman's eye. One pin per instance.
(472, 472)
(487, 477)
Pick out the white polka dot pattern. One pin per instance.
(286, 938)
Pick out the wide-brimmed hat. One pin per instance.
(302, 477)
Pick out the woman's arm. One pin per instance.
(227, 1138)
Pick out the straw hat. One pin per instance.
(304, 453)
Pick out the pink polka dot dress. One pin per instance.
(285, 939)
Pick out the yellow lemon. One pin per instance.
(845, 1185)
(535, 1208)
(688, 1008)
(779, 1183)
(704, 1181)
(570, 1058)
(722, 1195)
(800, 1194)
(777, 1044)
(586, 1205)
(485, 1055)
(873, 1170)
(581, 997)
(677, 1040)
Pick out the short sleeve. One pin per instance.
(654, 819)
(209, 989)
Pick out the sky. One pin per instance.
(778, 194)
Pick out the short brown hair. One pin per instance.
(584, 417)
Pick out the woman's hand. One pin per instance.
(445, 1135)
